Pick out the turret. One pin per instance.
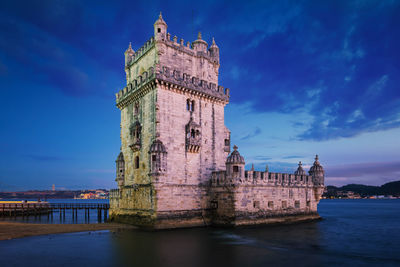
(317, 173)
(129, 54)
(120, 162)
(200, 45)
(158, 158)
(300, 170)
(214, 51)
(235, 164)
(160, 29)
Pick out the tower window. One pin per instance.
(190, 105)
(227, 143)
(235, 168)
(158, 30)
(154, 158)
(137, 162)
(192, 133)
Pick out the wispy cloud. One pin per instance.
(44, 158)
(254, 133)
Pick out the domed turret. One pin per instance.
(300, 170)
(160, 28)
(158, 157)
(235, 164)
(200, 44)
(214, 51)
(129, 54)
(120, 162)
(317, 172)
(235, 157)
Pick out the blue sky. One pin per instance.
(306, 77)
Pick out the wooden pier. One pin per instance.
(34, 208)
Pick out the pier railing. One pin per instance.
(9, 209)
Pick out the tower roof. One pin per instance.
(120, 157)
(213, 45)
(157, 147)
(316, 167)
(300, 170)
(199, 40)
(160, 20)
(130, 50)
(235, 157)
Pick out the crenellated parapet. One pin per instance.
(182, 81)
(134, 57)
(259, 178)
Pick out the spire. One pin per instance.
(300, 164)
(316, 160)
(213, 42)
(199, 36)
(130, 50)
(160, 20)
(252, 167)
(266, 168)
(235, 147)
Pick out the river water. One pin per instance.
(352, 233)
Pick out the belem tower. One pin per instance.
(176, 168)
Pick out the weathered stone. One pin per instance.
(173, 169)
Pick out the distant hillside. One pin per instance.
(392, 188)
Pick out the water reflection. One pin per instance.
(215, 247)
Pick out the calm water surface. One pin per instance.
(353, 233)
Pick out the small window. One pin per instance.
(235, 168)
(270, 204)
(297, 204)
(284, 204)
(158, 30)
(188, 104)
(154, 158)
(193, 133)
(192, 106)
(137, 162)
(214, 204)
(256, 204)
(227, 143)
(308, 203)
(136, 109)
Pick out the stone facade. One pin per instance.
(173, 169)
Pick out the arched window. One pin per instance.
(197, 133)
(192, 106)
(188, 104)
(137, 162)
(193, 134)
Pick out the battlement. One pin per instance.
(177, 78)
(220, 178)
(141, 52)
(189, 48)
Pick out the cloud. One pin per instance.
(374, 173)
(254, 133)
(44, 158)
(292, 157)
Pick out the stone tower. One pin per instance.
(172, 131)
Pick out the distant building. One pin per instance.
(53, 188)
(175, 168)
